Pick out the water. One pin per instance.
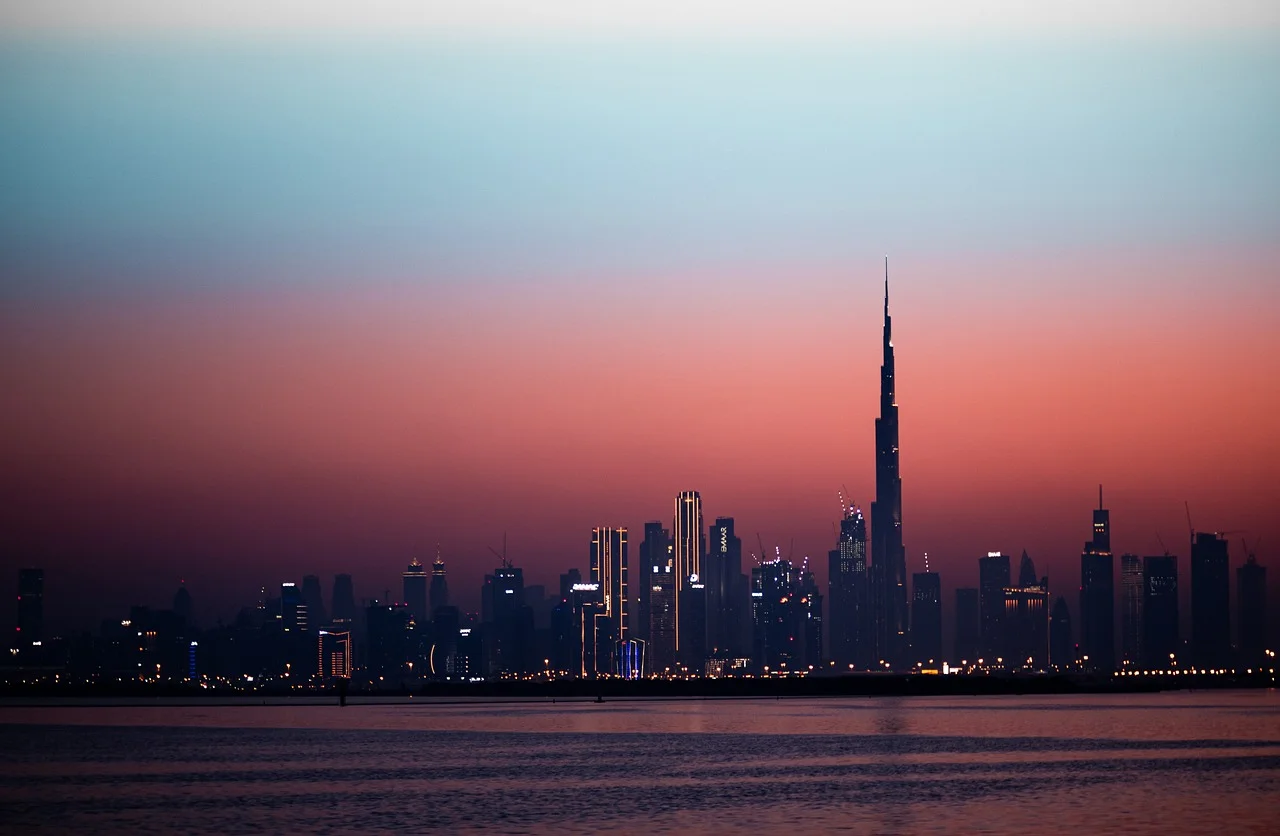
(1166, 763)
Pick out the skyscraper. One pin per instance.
(510, 634)
(1026, 619)
(662, 613)
(414, 581)
(439, 593)
(609, 569)
(30, 626)
(1251, 604)
(1061, 653)
(293, 611)
(1130, 610)
(888, 555)
(993, 578)
(314, 599)
(727, 590)
(776, 611)
(691, 610)
(344, 599)
(1210, 602)
(654, 549)
(1098, 596)
(849, 584)
(926, 619)
(968, 638)
(1160, 642)
(809, 614)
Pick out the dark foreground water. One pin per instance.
(1169, 763)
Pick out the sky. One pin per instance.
(289, 290)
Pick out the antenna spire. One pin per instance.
(886, 285)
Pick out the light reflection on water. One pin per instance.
(1168, 763)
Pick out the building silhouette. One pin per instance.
(926, 619)
(1160, 636)
(313, 597)
(414, 592)
(1097, 596)
(888, 555)
(776, 614)
(293, 610)
(1130, 610)
(1210, 602)
(809, 614)
(727, 592)
(509, 626)
(1026, 619)
(655, 549)
(609, 569)
(30, 627)
(968, 637)
(849, 594)
(662, 613)
(1061, 650)
(389, 641)
(993, 578)
(1251, 610)
(182, 604)
(344, 599)
(691, 625)
(439, 592)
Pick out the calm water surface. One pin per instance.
(1169, 763)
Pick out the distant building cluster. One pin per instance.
(687, 607)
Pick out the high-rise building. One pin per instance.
(662, 613)
(1130, 610)
(1098, 596)
(609, 570)
(968, 638)
(1026, 620)
(993, 578)
(389, 641)
(926, 619)
(810, 616)
(775, 608)
(30, 627)
(1061, 652)
(510, 633)
(654, 551)
(314, 599)
(344, 599)
(446, 621)
(691, 596)
(1160, 637)
(1251, 609)
(414, 583)
(293, 611)
(439, 593)
(849, 585)
(1210, 602)
(333, 654)
(888, 554)
(182, 604)
(727, 591)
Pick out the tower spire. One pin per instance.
(886, 285)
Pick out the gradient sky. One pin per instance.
(277, 302)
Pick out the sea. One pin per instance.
(1168, 763)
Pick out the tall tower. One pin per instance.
(414, 580)
(439, 584)
(609, 569)
(849, 593)
(690, 592)
(888, 556)
(30, 607)
(1098, 596)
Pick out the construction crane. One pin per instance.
(1163, 547)
(506, 564)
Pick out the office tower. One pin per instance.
(1160, 644)
(314, 599)
(1130, 610)
(775, 609)
(1098, 596)
(1210, 602)
(389, 641)
(445, 623)
(662, 613)
(968, 639)
(1026, 620)
(414, 586)
(1061, 653)
(888, 555)
(691, 610)
(993, 578)
(1251, 610)
(182, 604)
(691, 631)
(609, 570)
(810, 617)
(926, 619)
(333, 654)
(30, 626)
(293, 611)
(344, 599)
(511, 634)
(439, 594)
(653, 552)
(849, 584)
(727, 591)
